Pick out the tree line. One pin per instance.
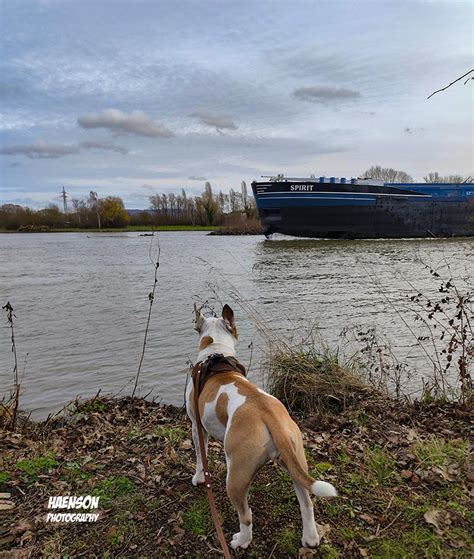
(390, 175)
(206, 209)
(109, 212)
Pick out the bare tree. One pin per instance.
(387, 174)
(435, 177)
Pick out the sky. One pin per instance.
(137, 98)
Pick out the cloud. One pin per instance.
(118, 122)
(103, 145)
(195, 178)
(44, 150)
(325, 94)
(40, 150)
(217, 121)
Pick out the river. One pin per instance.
(81, 302)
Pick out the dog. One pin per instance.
(255, 428)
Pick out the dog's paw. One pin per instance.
(241, 539)
(310, 540)
(198, 478)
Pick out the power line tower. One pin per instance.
(64, 196)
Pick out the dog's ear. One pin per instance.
(198, 319)
(228, 316)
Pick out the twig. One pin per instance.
(16, 394)
(390, 524)
(250, 346)
(151, 298)
(449, 85)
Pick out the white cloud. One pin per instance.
(118, 122)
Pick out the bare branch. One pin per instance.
(449, 85)
(151, 299)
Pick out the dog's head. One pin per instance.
(216, 335)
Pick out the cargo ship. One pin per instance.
(362, 208)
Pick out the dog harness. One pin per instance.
(215, 364)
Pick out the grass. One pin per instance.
(113, 487)
(4, 477)
(94, 405)
(197, 518)
(174, 435)
(419, 542)
(436, 451)
(37, 466)
(288, 541)
(310, 380)
(380, 463)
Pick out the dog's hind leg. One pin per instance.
(310, 533)
(198, 477)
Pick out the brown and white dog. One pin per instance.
(255, 428)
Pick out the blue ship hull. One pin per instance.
(364, 209)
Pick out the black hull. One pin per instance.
(389, 218)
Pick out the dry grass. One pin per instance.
(309, 380)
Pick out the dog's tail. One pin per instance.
(297, 470)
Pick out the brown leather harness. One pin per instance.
(215, 364)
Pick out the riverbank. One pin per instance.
(401, 470)
(129, 229)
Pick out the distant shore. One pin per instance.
(129, 229)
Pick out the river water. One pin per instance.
(81, 302)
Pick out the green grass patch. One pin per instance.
(420, 542)
(380, 464)
(36, 466)
(133, 433)
(197, 519)
(435, 451)
(327, 551)
(125, 527)
(288, 541)
(322, 468)
(4, 477)
(173, 435)
(113, 487)
(76, 472)
(92, 406)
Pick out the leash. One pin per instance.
(207, 475)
